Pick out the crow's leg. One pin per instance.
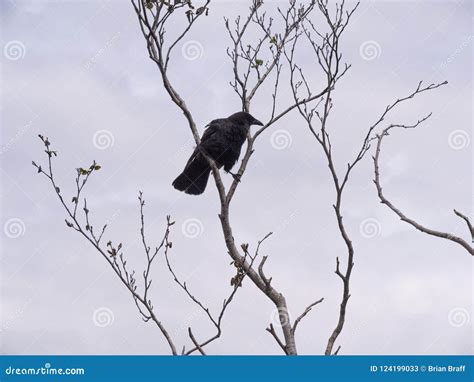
(236, 177)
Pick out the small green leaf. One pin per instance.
(149, 4)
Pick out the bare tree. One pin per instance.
(252, 37)
(250, 72)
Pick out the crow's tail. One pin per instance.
(193, 179)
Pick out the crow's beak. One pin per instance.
(257, 122)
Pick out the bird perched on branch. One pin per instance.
(222, 141)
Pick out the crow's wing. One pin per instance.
(210, 131)
(211, 128)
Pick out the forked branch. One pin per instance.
(383, 199)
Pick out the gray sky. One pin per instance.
(78, 72)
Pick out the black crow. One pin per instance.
(222, 141)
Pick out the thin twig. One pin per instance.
(195, 342)
(306, 311)
(272, 331)
(468, 222)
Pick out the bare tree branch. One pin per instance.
(306, 311)
(398, 212)
(217, 322)
(468, 222)
(111, 253)
(260, 272)
(326, 48)
(272, 331)
(195, 342)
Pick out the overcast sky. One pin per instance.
(79, 73)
